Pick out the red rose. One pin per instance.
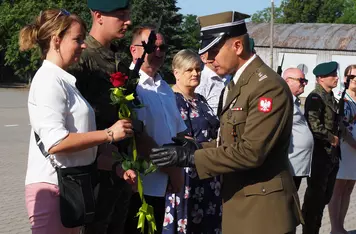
(118, 79)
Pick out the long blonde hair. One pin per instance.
(52, 22)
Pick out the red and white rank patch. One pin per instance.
(265, 104)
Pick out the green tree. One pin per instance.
(191, 32)
(312, 11)
(13, 16)
(264, 16)
(348, 14)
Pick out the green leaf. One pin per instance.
(150, 169)
(136, 165)
(126, 165)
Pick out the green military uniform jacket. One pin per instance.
(93, 72)
(256, 123)
(321, 113)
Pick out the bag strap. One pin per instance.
(40, 145)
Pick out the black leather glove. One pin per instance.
(179, 154)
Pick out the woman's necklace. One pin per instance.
(188, 97)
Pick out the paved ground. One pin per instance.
(15, 131)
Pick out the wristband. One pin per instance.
(111, 134)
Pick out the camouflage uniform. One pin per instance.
(93, 72)
(321, 114)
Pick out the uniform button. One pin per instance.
(263, 190)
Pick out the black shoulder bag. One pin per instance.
(76, 188)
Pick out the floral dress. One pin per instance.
(198, 208)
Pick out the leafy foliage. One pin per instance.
(16, 14)
(264, 16)
(179, 31)
(310, 11)
(191, 32)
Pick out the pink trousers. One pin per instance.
(42, 203)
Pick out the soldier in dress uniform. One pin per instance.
(321, 115)
(101, 58)
(252, 151)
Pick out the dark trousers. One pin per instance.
(297, 181)
(319, 190)
(112, 206)
(158, 204)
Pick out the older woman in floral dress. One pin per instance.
(197, 208)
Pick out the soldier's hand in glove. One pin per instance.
(179, 154)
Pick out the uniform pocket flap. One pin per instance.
(264, 188)
(237, 117)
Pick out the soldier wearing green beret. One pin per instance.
(321, 115)
(110, 21)
(251, 152)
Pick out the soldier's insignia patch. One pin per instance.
(265, 104)
(315, 98)
(262, 76)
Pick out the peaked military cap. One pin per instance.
(324, 69)
(108, 5)
(215, 27)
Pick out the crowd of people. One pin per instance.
(229, 138)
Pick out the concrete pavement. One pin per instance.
(15, 132)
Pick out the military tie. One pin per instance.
(223, 96)
(230, 86)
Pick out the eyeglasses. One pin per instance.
(162, 48)
(351, 77)
(301, 80)
(62, 12)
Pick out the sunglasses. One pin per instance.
(162, 48)
(351, 77)
(301, 80)
(62, 12)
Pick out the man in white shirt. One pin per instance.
(211, 84)
(302, 142)
(162, 121)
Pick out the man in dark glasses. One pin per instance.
(301, 143)
(110, 21)
(321, 115)
(162, 121)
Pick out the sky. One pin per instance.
(206, 7)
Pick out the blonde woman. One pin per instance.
(197, 209)
(346, 176)
(62, 118)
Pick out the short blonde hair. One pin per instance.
(48, 23)
(186, 59)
